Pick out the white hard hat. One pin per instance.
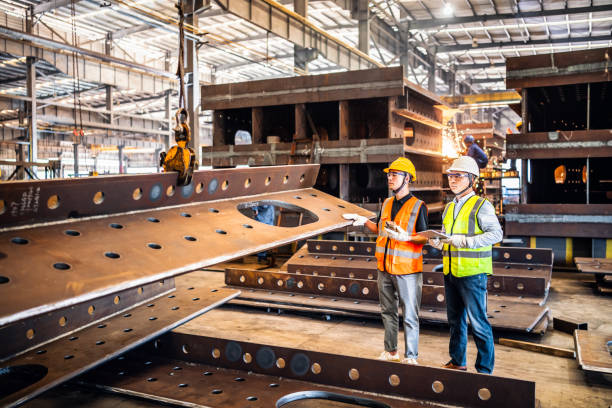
(466, 164)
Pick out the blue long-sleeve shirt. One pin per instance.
(476, 153)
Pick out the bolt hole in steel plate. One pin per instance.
(249, 209)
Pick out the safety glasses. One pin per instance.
(456, 176)
(394, 174)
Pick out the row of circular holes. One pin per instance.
(321, 286)
(30, 333)
(114, 255)
(353, 373)
(506, 255)
(332, 274)
(63, 321)
(335, 247)
(215, 391)
(98, 198)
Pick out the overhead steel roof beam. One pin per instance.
(274, 17)
(51, 5)
(464, 47)
(436, 22)
(94, 67)
(467, 67)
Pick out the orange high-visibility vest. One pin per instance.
(402, 257)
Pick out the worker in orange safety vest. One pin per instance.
(399, 259)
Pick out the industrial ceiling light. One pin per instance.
(448, 9)
(474, 43)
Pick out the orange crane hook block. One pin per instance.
(180, 158)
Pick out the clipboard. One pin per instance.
(433, 234)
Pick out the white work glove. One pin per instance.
(458, 241)
(358, 220)
(399, 235)
(435, 242)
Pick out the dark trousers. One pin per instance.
(467, 298)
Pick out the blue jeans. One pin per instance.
(467, 298)
(405, 290)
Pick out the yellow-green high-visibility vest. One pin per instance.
(463, 262)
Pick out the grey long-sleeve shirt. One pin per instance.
(487, 220)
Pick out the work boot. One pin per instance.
(387, 356)
(452, 366)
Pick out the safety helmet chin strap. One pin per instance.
(406, 180)
(471, 176)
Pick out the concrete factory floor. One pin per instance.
(559, 381)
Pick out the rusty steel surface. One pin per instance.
(500, 254)
(600, 266)
(370, 83)
(512, 279)
(63, 264)
(593, 351)
(51, 364)
(32, 331)
(24, 202)
(356, 289)
(181, 382)
(391, 379)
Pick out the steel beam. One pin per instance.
(50, 5)
(215, 387)
(559, 144)
(40, 329)
(349, 373)
(69, 262)
(58, 114)
(477, 18)
(500, 44)
(326, 152)
(557, 69)
(42, 368)
(275, 18)
(372, 83)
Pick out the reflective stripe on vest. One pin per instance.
(463, 262)
(398, 257)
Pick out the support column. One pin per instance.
(524, 117)
(108, 46)
(363, 18)
(120, 153)
(343, 134)
(301, 55)
(300, 121)
(431, 80)
(31, 107)
(257, 125)
(192, 79)
(452, 80)
(524, 178)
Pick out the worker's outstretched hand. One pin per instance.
(398, 235)
(358, 220)
(458, 241)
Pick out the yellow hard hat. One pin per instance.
(519, 124)
(403, 164)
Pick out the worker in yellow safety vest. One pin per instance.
(399, 259)
(473, 227)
